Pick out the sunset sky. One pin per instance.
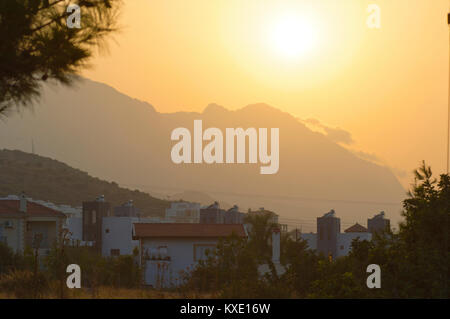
(317, 60)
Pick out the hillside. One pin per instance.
(47, 179)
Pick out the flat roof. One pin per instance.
(177, 230)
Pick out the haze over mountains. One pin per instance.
(117, 138)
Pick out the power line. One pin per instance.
(284, 197)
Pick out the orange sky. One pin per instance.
(387, 87)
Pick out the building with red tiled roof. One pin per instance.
(356, 228)
(169, 249)
(24, 223)
(187, 230)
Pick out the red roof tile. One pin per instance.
(11, 207)
(187, 230)
(357, 228)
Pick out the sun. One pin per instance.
(292, 36)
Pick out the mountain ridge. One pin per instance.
(119, 138)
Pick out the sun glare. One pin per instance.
(292, 36)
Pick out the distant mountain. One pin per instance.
(47, 179)
(115, 137)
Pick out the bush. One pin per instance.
(24, 284)
(9, 259)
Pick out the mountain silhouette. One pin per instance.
(110, 135)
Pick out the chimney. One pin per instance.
(23, 202)
(276, 245)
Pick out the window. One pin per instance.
(115, 252)
(342, 247)
(94, 216)
(203, 251)
(107, 230)
(159, 253)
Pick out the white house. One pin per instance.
(168, 250)
(24, 223)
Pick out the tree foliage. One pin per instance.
(37, 45)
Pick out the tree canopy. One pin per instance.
(37, 45)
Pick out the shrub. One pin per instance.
(24, 284)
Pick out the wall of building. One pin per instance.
(75, 226)
(117, 235)
(46, 228)
(328, 229)
(311, 238)
(378, 224)
(13, 235)
(183, 252)
(344, 243)
(93, 213)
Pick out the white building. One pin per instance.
(345, 239)
(183, 212)
(276, 254)
(117, 233)
(311, 239)
(24, 223)
(116, 237)
(169, 250)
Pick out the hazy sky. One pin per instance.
(314, 59)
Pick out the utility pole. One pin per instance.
(448, 101)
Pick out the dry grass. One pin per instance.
(121, 293)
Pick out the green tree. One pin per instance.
(38, 46)
(260, 234)
(425, 234)
(302, 266)
(229, 270)
(414, 261)
(8, 259)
